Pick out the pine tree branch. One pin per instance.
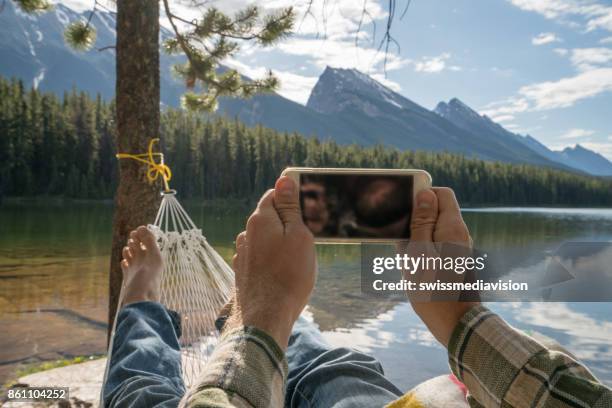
(225, 33)
(183, 44)
(108, 47)
(178, 35)
(183, 20)
(210, 41)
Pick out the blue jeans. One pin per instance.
(145, 366)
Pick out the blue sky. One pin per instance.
(539, 67)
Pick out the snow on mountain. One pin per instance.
(353, 86)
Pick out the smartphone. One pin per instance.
(358, 205)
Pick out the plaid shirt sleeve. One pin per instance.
(247, 369)
(502, 367)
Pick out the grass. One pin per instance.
(49, 365)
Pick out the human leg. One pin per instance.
(323, 376)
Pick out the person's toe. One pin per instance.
(127, 254)
(146, 236)
(124, 265)
(134, 246)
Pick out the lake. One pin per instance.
(53, 287)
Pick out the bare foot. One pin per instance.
(141, 265)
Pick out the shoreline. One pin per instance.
(61, 201)
(248, 202)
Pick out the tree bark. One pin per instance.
(137, 98)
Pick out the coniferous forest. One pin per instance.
(51, 146)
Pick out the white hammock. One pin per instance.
(196, 283)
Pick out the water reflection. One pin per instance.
(407, 350)
(53, 287)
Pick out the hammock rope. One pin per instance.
(196, 282)
(155, 169)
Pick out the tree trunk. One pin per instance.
(137, 95)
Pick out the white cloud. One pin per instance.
(603, 21)
(292, 86)
(577, 133)
(394, 86)
(593, 14)
(594, 77)
(245, 69)
(340, 54)
(590, 58)
(295, 87)
(545, 38)
(607, 40)
(508, 107)
(605, 149)
(567, 91)
(432, 64)
(502, 118)
(548, 8)
(554, 94)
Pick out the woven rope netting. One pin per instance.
(196, 282)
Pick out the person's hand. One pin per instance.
(141, 265)
(436, 218)
(275, 264)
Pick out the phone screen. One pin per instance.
(357, 205)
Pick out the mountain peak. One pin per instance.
(332, 70)
(329, 70)
(340, 89)
(455, 107)
(588, 160)
(576, 148)
(349, 77)
(457, 104)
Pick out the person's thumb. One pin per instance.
(287, 201)
(424, 216)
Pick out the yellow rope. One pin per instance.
(155, 169)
